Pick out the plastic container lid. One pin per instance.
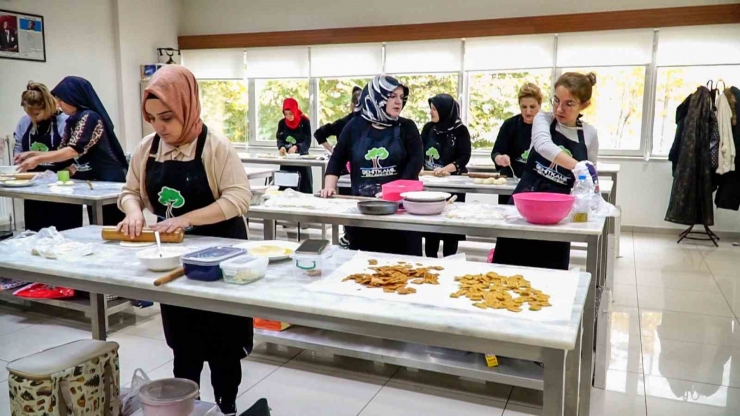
(212, 256)
(168, 390)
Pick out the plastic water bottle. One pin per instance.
(582, 191)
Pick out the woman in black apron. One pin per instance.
(559, 141)
(88, 139)
(446, 152)
(208, 193)
(41, 130)
(381, 147)
(294, 137)
(515, 136)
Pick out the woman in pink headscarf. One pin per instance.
(192, 180)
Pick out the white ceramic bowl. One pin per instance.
(424, 208)
(170, 258)
(425, 196)
(293, 156)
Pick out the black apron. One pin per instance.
(378, 161)
(541, 175)
(42, 214)
(438, 156)
(185, 185)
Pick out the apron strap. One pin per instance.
(201, 143)
(154, 149)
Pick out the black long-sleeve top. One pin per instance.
(453, 146)
(332, 129)
(410, 137)
(514, 138)
(301, 134)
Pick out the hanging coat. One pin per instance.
(728, 194)
(691, 196)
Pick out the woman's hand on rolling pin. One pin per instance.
(328, 192)
(132, 225)
(171, 225)
(292, 149)
(502, 160)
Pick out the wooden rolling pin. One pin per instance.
(147, 235)
(20, 176)
(356, 198)
(173, 275)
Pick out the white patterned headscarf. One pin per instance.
(375, 96)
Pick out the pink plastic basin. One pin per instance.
(543, 208)
(392, 190)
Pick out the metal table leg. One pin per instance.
(335, 234)
(554, 383)
(269, 229)
(97, 316)
(589, 320)
(572, 377)
(97, 214)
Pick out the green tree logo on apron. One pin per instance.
(171, 198)
(39, 147)
(433, 155)
(291, 140)
(525, 155)
(376, 154)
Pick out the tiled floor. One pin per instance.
(674, 340)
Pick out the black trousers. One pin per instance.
(226, 375)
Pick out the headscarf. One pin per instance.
(356, 107)
(292, 105)
(78, 92)
(177, 88)
(375, 96)
(448, 110)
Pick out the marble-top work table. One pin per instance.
(282, 295)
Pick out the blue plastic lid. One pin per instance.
(581, 177)
(212, 256)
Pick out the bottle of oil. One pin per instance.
(582, 191)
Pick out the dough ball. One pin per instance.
(478, 181)
(60, 183)
(69, 183)
(490, 181)
(500, 181)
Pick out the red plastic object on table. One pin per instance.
(543, 208)
(42, 291)
(392, 190)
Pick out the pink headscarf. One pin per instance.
(177, 88)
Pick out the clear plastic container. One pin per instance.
(204, 264)
(313, 264)
(168, 397)
(582, 191)
(245, 269)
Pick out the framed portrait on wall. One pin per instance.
(22, 36)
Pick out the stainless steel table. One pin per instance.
(592, 233)
(282, 295)
(253, 159)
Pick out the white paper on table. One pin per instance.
(560, 285)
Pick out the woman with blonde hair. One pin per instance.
(514, 138)
(41, 130)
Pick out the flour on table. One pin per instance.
(136, 244)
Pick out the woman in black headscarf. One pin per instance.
(89, 139)
(381, 147)
(446, 152)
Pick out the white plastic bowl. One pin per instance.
(168, 397)
(170, 258)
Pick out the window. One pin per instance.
(224, 107)
(687, 58)
(421, 89)
(673, 86)
(335, 97)
(493, 99)
(616, 106)
(270, 94)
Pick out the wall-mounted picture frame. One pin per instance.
(22, 36)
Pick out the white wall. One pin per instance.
(104, 41)
(79, 41)
(200, 17)
(143, 26)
